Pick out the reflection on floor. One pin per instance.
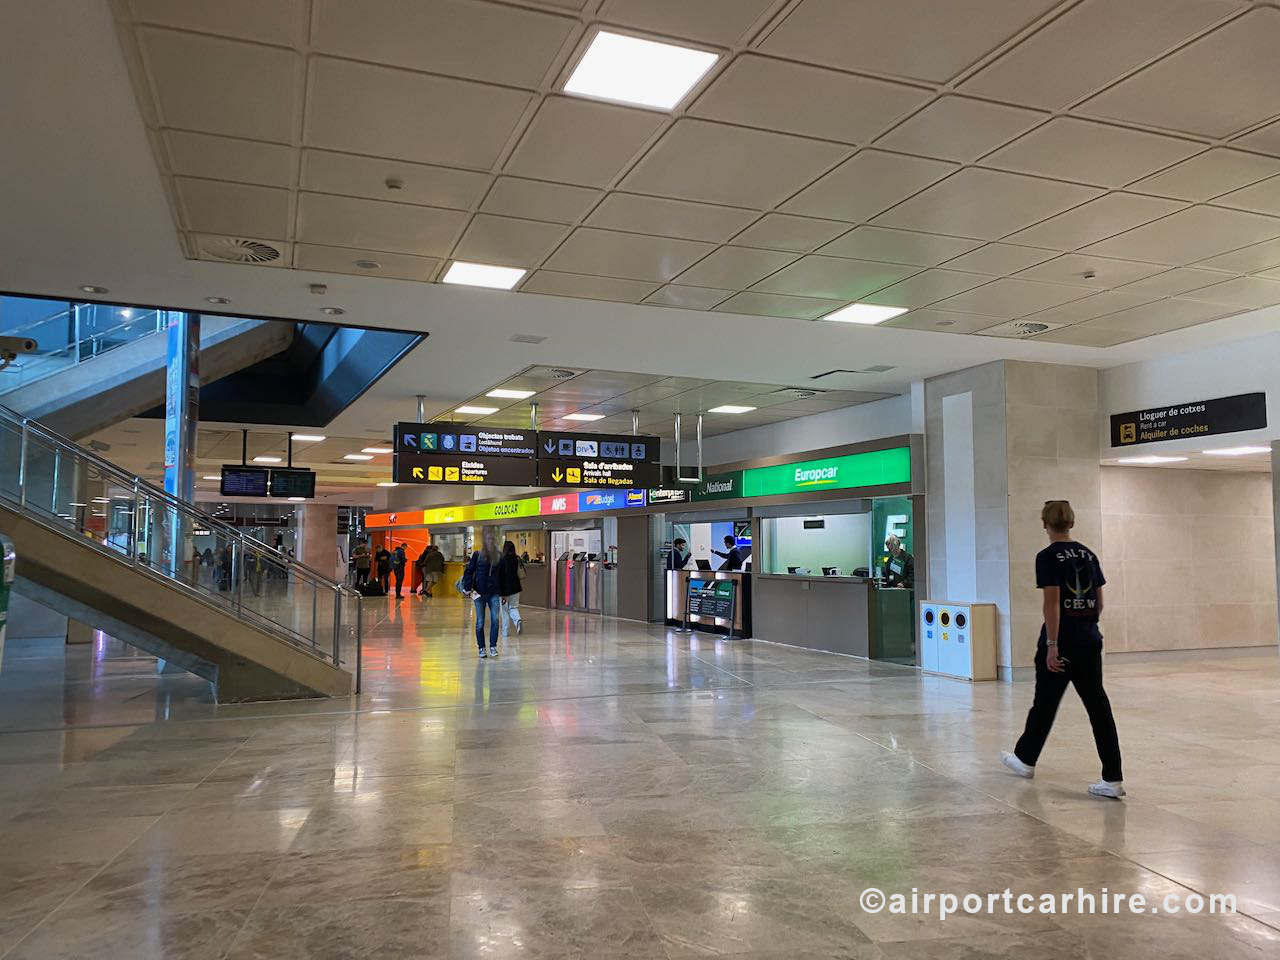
(606, 789)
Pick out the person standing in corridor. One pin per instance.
(510, 575)
(1069, 651)
(480, 582)
(399, 559)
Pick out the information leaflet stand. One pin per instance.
(717, 599)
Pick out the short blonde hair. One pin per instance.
(1057, 515)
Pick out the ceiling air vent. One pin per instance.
(526, 338)
(1020, 329)
(795, 393)
(238, 250)
(551, 373)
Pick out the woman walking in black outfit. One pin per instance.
(1069, 651)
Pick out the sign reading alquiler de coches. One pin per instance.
(1195, 418)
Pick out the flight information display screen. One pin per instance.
(238, 481)
(293, 483)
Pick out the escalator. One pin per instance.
(114, 552)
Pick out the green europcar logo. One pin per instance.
(875, 468)
(818, 477)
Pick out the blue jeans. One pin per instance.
(494, 605)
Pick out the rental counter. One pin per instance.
(824, 613)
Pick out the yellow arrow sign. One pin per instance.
(556, 475)
(417, 473)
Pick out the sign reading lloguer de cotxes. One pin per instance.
(1196, 418)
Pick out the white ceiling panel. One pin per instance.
(773, 305)
(589, 288)
(1091, 333)
(1189, 235)
(960, 128)
(833, 278)
(1218, 85)
(898, 246)
(1250, 259)
(1097, 305)
(400, 266)
(377, 225)
(1165, 315)
(1261, 197)
(1000, 259)
(214, 206)
(941, 321)
(795, 98)
(1266, 138)
(715, 21)
(632, 256)
(735, 268)
(1096, 220)
(1012, 298)
(215, 85)
(1107, 273)
(985, 204)
(926, 288)
(572, 140)
(282, 22)
(717, 163)
(1172, 282)
(691, 298)
(1251, 292)
(225, 158)
(507, 241)
(669, 218)
(360, 108)
(781, 231)
(865, 184)
(539, 200)
(1090, 45)
(353, 176)
(909, 38)
(461, 38)
(1209, 174)
(1088, 152)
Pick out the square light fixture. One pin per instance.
(387, 483)
(502, 393)
(475, 410)
(358, 456)
(101, 500)
(375, 450)
(1237, 451)
(585, 417)
(211, 476)
(266, 459)
(730, 408)
(297, 499)
(1151, 459)
(308, 437)
(641, 72)
(867, 314)
(482, 275)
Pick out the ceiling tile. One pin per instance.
(960, 128)
(590, 288)
(461, 38)
(1189, 235)
(1251, 292)
(1250, 259)
(1265, 138)
(507, 241)
(224, 158)
(926, 288)
(910, 38)
(377, 225)
(716, 21)
(1097, 305)
(1089, 46)
(1012, 298)
(539, 200)
(1218, 85)
(1163, 316)
(943, 321)
(1107, 273)
(865, 184)
(215, 85)
(344, 173)
(794, 98)
(781, 231)
(833, 277)
(772, 305)
(1097, 220)
(1210, 174)
(692, 298)
(612, 254)
(1088, 152)
(1262, 197)
(986, 204)
(385, 112)
(717, 163)
(580, 141)
(898, 246)
(399, 266)
(734, 268)
(999, 259)
(214, 206)
(282, 22)
(1172, 282)
(669, 218)
(1091, 333)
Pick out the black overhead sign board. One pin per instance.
(1198, 418)
(454, 438)
(455, 468)
(599, 460)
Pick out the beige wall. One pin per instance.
(1189, 557)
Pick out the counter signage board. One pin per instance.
(872, 469)
(720, 486)
(527, 507)
(711, 598)
(559, 503)
(668, 495)
(590, 500)
(1198, 418)
(464, 469)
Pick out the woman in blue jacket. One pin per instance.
(481, 581)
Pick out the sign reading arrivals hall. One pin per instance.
(598, 460)
(1199, 418)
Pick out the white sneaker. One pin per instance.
(1107, 788)
(1023, 770)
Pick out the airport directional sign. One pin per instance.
(464, 469)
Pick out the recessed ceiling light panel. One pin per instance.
(358, 456)
(482, 275)
(475, 411)
(502, 393)
(640, 72)
(730, 408)
(1151, 459)
(585, 417)
(1237, 451)
(266, 459)
(375, 449)
(868, 314)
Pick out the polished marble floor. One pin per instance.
(609, 789)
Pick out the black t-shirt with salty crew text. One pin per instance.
(1074, 569)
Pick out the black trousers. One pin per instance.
(384, 580)
(1084, 672)
(399, 572)
(362, 575)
